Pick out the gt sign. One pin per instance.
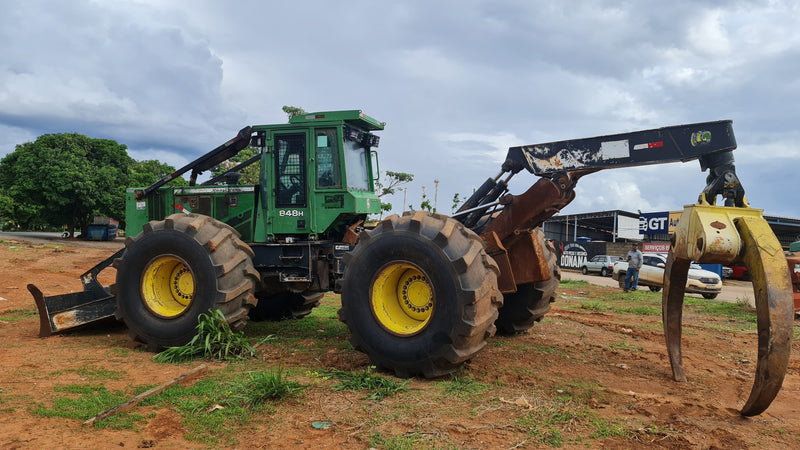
(654, 223)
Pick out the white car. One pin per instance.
(603, 264)
(699, 281)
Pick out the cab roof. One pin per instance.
(354, 117)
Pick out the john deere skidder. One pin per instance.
(420, 292)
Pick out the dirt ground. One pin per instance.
(569, 344)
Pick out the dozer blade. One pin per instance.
(62, 312)
(714, 234)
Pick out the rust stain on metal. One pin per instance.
(66, 319)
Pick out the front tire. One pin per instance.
(419, 294)
(710, 296)
(654, 288)
(522, 309)
(177, 269)
(584, 270)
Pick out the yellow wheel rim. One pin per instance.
(167, 286)
(402, 299)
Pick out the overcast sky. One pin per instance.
(457, 82)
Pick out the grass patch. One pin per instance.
(84, 401)
(741, 310)
(405, 441)
(214, 340)
(462, 385)
(594, 305)
(640, 310)
(627, 346)
(265, 386)
(377, 387)
(15, 315)
(214, 410)
(98, 373)
(573, 283)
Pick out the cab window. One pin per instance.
(355, 161)
(290, 161)
(328, 172)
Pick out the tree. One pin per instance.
(6, 209)
(144, 173)
(292, 111)
(65, 179)
(250, 174)
(392, 180)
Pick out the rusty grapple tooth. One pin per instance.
(713, 234)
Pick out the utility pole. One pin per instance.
(405, 189)
(435, 193)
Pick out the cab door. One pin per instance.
(291, 213)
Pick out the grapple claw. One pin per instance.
(715, 234)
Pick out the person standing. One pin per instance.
(634, 264)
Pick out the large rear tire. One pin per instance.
(419, 294)
(522, 309)
(177, 269)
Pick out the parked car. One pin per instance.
(602, 264)
(726, 272)
(699, 281)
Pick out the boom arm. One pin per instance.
(205, 162)
(562, 163)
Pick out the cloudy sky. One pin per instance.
(457, 82)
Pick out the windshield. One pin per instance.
(355, 162)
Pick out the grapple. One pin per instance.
(725, 234)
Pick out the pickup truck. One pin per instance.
(699, 281)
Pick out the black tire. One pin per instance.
(177, 269)
(522, 309)
(621, 281)
(286, 305)
(584, 270)
(449, 289)
(654, 288)
(710, 296)
(604, 272)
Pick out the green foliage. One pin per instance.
(264, 386)
(388, 185)
(377, 386)
(64, 179)
(214, 339)
(457, 201)
(249, 173)
(144, 173)
(425, 204)
(292, 111)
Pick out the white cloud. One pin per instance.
(458, 82)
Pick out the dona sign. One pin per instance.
(573, 255)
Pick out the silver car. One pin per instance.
(602, 264)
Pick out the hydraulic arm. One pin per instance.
(707, 233)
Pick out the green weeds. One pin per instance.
(376, 386)
(214, 339)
